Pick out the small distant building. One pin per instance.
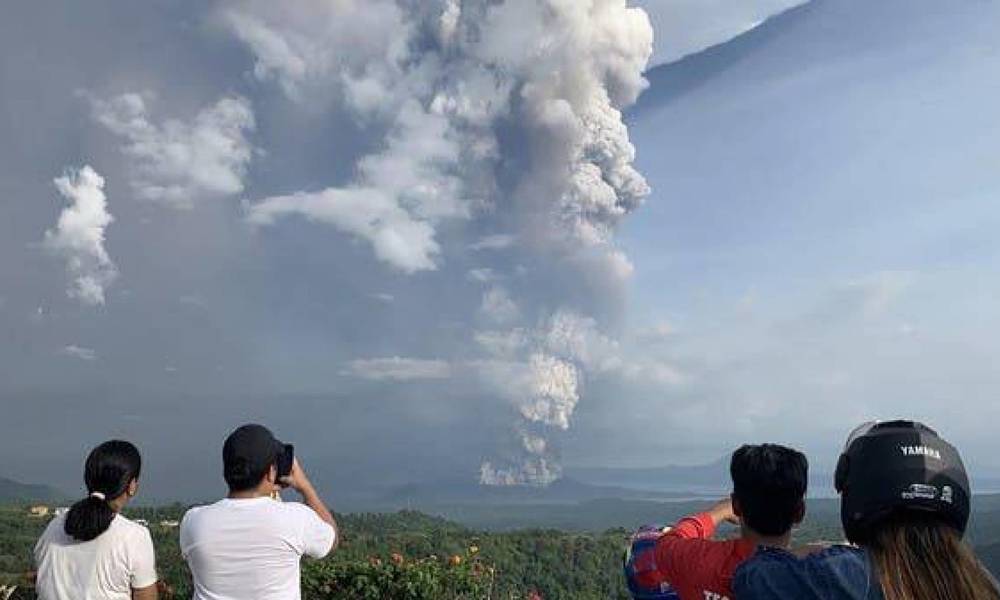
(38, 511)
(142, 522)
(60, 511)
(170, 524)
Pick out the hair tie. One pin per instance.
(99, 495)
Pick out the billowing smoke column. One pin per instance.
(503, 114)
(540, 371)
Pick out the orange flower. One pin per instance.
(455, 560)
(397, 558)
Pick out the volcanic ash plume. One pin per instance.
(502, 116)
(540, 373)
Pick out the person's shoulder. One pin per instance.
(294, 510)
(763, 565)
(735, 547)
(842, 550)
(734, 544)
(123, 527)
(197, 513)
(722, 554)
(843, 567)
(837, 553)
(197, 509)
(55, 529)
(834, 552)
(123, 523)
(764, 556)
(849, 561)
(767, 559)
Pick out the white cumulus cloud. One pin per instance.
(481, 275)
(398, 197)
(498, 306)
(497, 241)
(79, 235)
(178, 162)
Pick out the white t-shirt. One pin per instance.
(107, 567)
(249, 549)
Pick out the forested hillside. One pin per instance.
(406, 555)
(410, 555)
(14, 491)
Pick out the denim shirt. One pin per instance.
(837, 573)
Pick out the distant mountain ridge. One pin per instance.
(674, 477)
(466, 491)
(711, 479)
(15, 491)
(670, 81)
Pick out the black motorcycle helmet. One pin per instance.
(899, 465)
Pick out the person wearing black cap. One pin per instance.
(905, 503)
(248, 545)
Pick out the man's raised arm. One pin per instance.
(299, 482)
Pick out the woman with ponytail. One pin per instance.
(93, 552)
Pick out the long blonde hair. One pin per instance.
(918, 557)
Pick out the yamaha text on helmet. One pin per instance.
(899, 465)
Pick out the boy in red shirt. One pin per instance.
(769, 487)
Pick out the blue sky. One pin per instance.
(413, 269)
(831, 192)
